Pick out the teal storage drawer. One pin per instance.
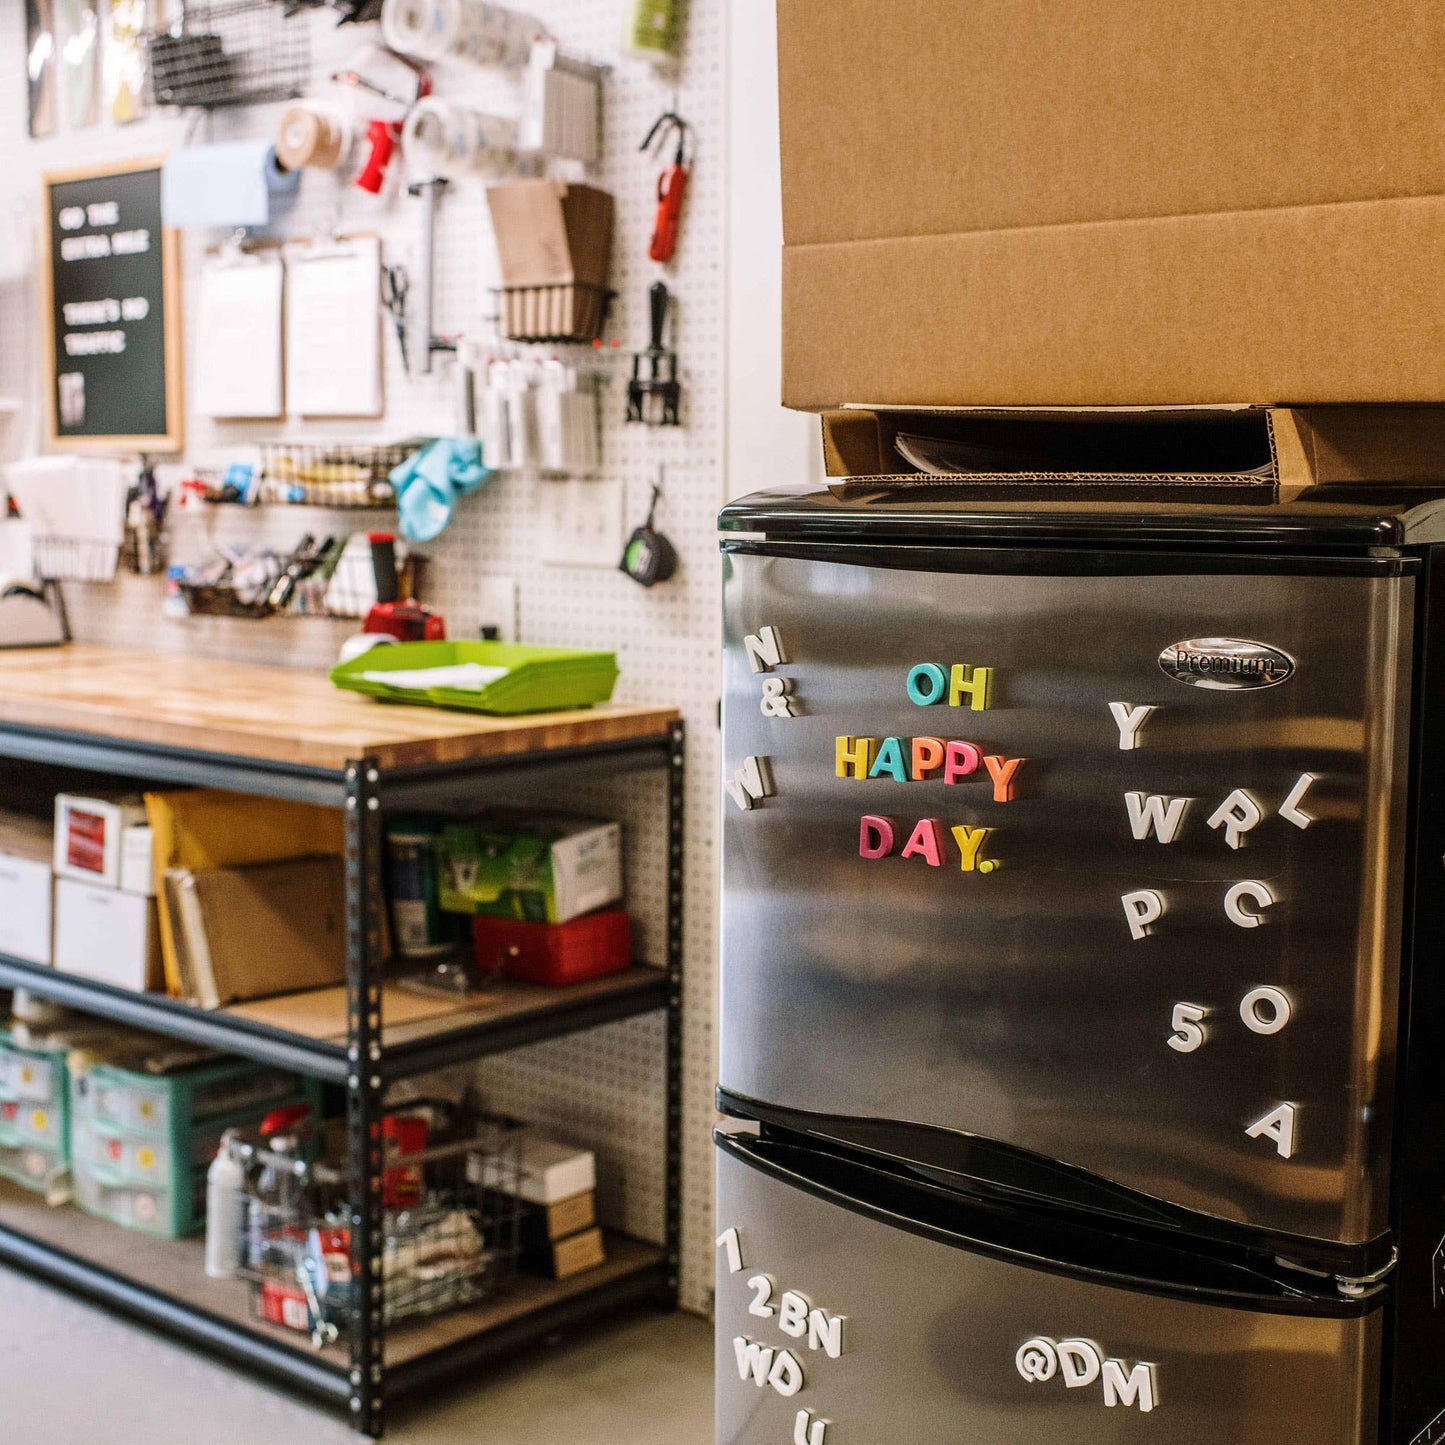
(142, 1142)
(34, 1113)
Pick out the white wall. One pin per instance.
(766, 444)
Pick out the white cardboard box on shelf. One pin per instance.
(137, 866)
(26, 885)
(107, 935)
(548, 1171)
(88, 835)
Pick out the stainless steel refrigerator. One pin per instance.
(1081, 971)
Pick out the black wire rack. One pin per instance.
(231, 52)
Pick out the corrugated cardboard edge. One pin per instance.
(1309, 447)
(1329, 304)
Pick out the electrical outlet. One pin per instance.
(581, 521)
(497, 606)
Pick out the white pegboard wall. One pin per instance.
(604, 1086)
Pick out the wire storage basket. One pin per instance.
(451, 1230)
(228, 52)
(345, 475)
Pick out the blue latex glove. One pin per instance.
(430, 482)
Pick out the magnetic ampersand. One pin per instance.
(775, 701)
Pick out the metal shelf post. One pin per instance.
(676, 777)
(365, 1090)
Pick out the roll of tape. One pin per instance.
(312, 137)
(446, 140)
(473, 30)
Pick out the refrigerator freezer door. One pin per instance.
(834, 1328)
(1162, 949)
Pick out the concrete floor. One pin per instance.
(74, 1373)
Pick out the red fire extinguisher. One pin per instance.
(671, 184)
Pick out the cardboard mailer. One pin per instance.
(1111, 202)
(1235, 455)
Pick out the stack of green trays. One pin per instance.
(530, 679)
(34, 1113)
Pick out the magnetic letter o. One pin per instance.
(927, 684)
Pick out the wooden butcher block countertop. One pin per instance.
(274, 714)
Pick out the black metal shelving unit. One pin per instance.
(378, 1363)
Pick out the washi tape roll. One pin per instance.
(312, 136)
(448, 141)
(471, 30)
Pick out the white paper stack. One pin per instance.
(75, 508)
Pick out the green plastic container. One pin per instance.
(141, 1143)
(528, 679)
(34, 1114)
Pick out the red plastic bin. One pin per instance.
(555, 953)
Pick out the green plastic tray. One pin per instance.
(539, 679)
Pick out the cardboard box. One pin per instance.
(1224, 455)
(89, 833)
(1111, 202)
(547, 1223)
(107, 935)
(548, 1173)
(26, 887)
(137, 860)
(536, 868)
(563, 1258)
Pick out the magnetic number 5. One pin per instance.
(1187, 1035)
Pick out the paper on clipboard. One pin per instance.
(238, 366)
(333, 327)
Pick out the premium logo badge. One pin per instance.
(1227, 664)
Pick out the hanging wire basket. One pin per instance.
(232, 52)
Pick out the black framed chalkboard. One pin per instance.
(112, 311)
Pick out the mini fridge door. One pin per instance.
(841, 1321)
(1081, 853)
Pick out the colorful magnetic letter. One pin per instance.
(927, 840)
(927, 757)
(970, 844)
(853, 757)
(890, 761)
(1002, 771)
(959, 760)
(875, 836)
(973, 683)
(926, 684)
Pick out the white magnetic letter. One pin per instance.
(730, 1241)
(1137, 1385)
(751, 782)
(808, 1431)
(1265, 1010)
(765, 649)
(1252, 889)
(1153, 813)
(1131, 722)
(753, 1359)
(1278, 1125)
(1142, 909)
(786, 1376)
(1290, 809)
(1238, 813)
(1079, 1362)
(1187, 1035)
(793, 1314)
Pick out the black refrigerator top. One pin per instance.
(943, 512)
